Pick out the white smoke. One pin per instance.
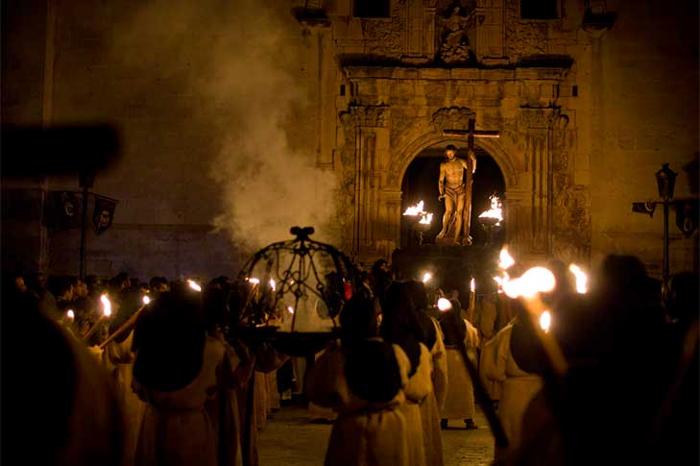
(248, 92)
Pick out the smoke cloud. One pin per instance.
(267, 184)
(247, 93)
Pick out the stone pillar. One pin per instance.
(369, 123)
(539, 178)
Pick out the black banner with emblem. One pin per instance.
(687, 215)
(103, 214)
(64, 210)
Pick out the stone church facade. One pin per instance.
(575, 89)
(431, 66)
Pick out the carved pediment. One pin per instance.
(452, 118)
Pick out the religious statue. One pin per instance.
(454, 42)
(455, 186)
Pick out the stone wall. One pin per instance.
(641, 87)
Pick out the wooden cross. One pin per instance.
(471, 132)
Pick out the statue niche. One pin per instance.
(454, 25)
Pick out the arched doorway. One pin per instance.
(420, 182)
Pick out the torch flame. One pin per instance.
(70, 314)
(581, 278)
(505, 260)
(501, 280)
(472, 285)
(194, 285)
(273, 285)
(106, 305)
(290, 309)
(535, 280)
(426, 218)
(444, 304)
(146, 300)
(427, 276)
(496, 210)
(415, 210)
(545, 321)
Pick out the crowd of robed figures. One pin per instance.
(175, 392)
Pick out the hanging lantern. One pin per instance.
(291, 293)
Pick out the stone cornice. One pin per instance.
(447, 74)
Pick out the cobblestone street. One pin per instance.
(290, 439)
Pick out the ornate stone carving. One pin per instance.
(571, 223)
(536, 117)
(369, 116)
(385, 37)
(560, 141)
(455, 24)
(452, 117)
(523, 38)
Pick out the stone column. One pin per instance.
(539, 178)
(369, 123)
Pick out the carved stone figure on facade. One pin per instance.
(454, 39)
(455, 187)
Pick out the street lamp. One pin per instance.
(666, 182)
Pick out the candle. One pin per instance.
(545, 320)
(106, 306)
(444, 304)
(472, 299)
(581, 278)
(194, 285)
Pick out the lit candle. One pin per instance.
(427, 276)
(70, 314)
(194, 285)
(472, 298)
(106, 306)
(444, 304)
(505, 260)
(106, 312)
(581, 278)
(545, 321)
(146, 300)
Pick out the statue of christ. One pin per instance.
(455, 186)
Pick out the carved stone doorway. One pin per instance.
(420, 182)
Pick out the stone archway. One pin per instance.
(420, 184)
(403, 157)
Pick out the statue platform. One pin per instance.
(451, 267)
